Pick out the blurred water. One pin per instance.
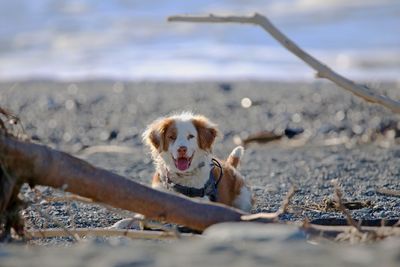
(128, 39)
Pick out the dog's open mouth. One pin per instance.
(183, 163)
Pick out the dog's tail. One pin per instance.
(234, 157)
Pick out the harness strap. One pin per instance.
(189, 191)
(209, 189)
(216, 163)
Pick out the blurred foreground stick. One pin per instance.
(39, 165)
(322, 70)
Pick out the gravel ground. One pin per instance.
(347, 139)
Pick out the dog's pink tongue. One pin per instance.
(182, 164)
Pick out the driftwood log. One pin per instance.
(39, 165)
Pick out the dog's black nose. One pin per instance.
(182, 150)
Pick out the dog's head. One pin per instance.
(181, 141)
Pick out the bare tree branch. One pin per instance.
(323, 71)
(338, 199)
(273, 215)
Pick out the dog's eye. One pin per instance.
(190, 136)
(171, 137)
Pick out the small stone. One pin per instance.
(237, 140)
(104, 135)
(370, 192)
(70, 104)
(73, 89)
(339, 115)
(226, 87)
(246, 102)
(113, 135)
(296, 118)
(292, 132)
(118, 87)
(357, 129)
(67, 137)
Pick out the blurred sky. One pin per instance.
(131, 40)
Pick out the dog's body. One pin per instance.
(181, 147)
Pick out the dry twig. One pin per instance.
(388, 192)
(273, 215)
(329, 204)
(323, 71)
(349, 233)
(105, 232)
(338, 199)
(68, 198)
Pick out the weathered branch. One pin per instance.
(338, 199)
(37, 164)
(274, 215)
(323, 71)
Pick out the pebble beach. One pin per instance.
(342, 138)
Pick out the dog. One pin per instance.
(181, 147)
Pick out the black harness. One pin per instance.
(209, 189)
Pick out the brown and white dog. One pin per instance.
(181, 147)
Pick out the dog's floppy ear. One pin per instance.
(154, 136)
(207, 132)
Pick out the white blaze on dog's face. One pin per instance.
(181, 141)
